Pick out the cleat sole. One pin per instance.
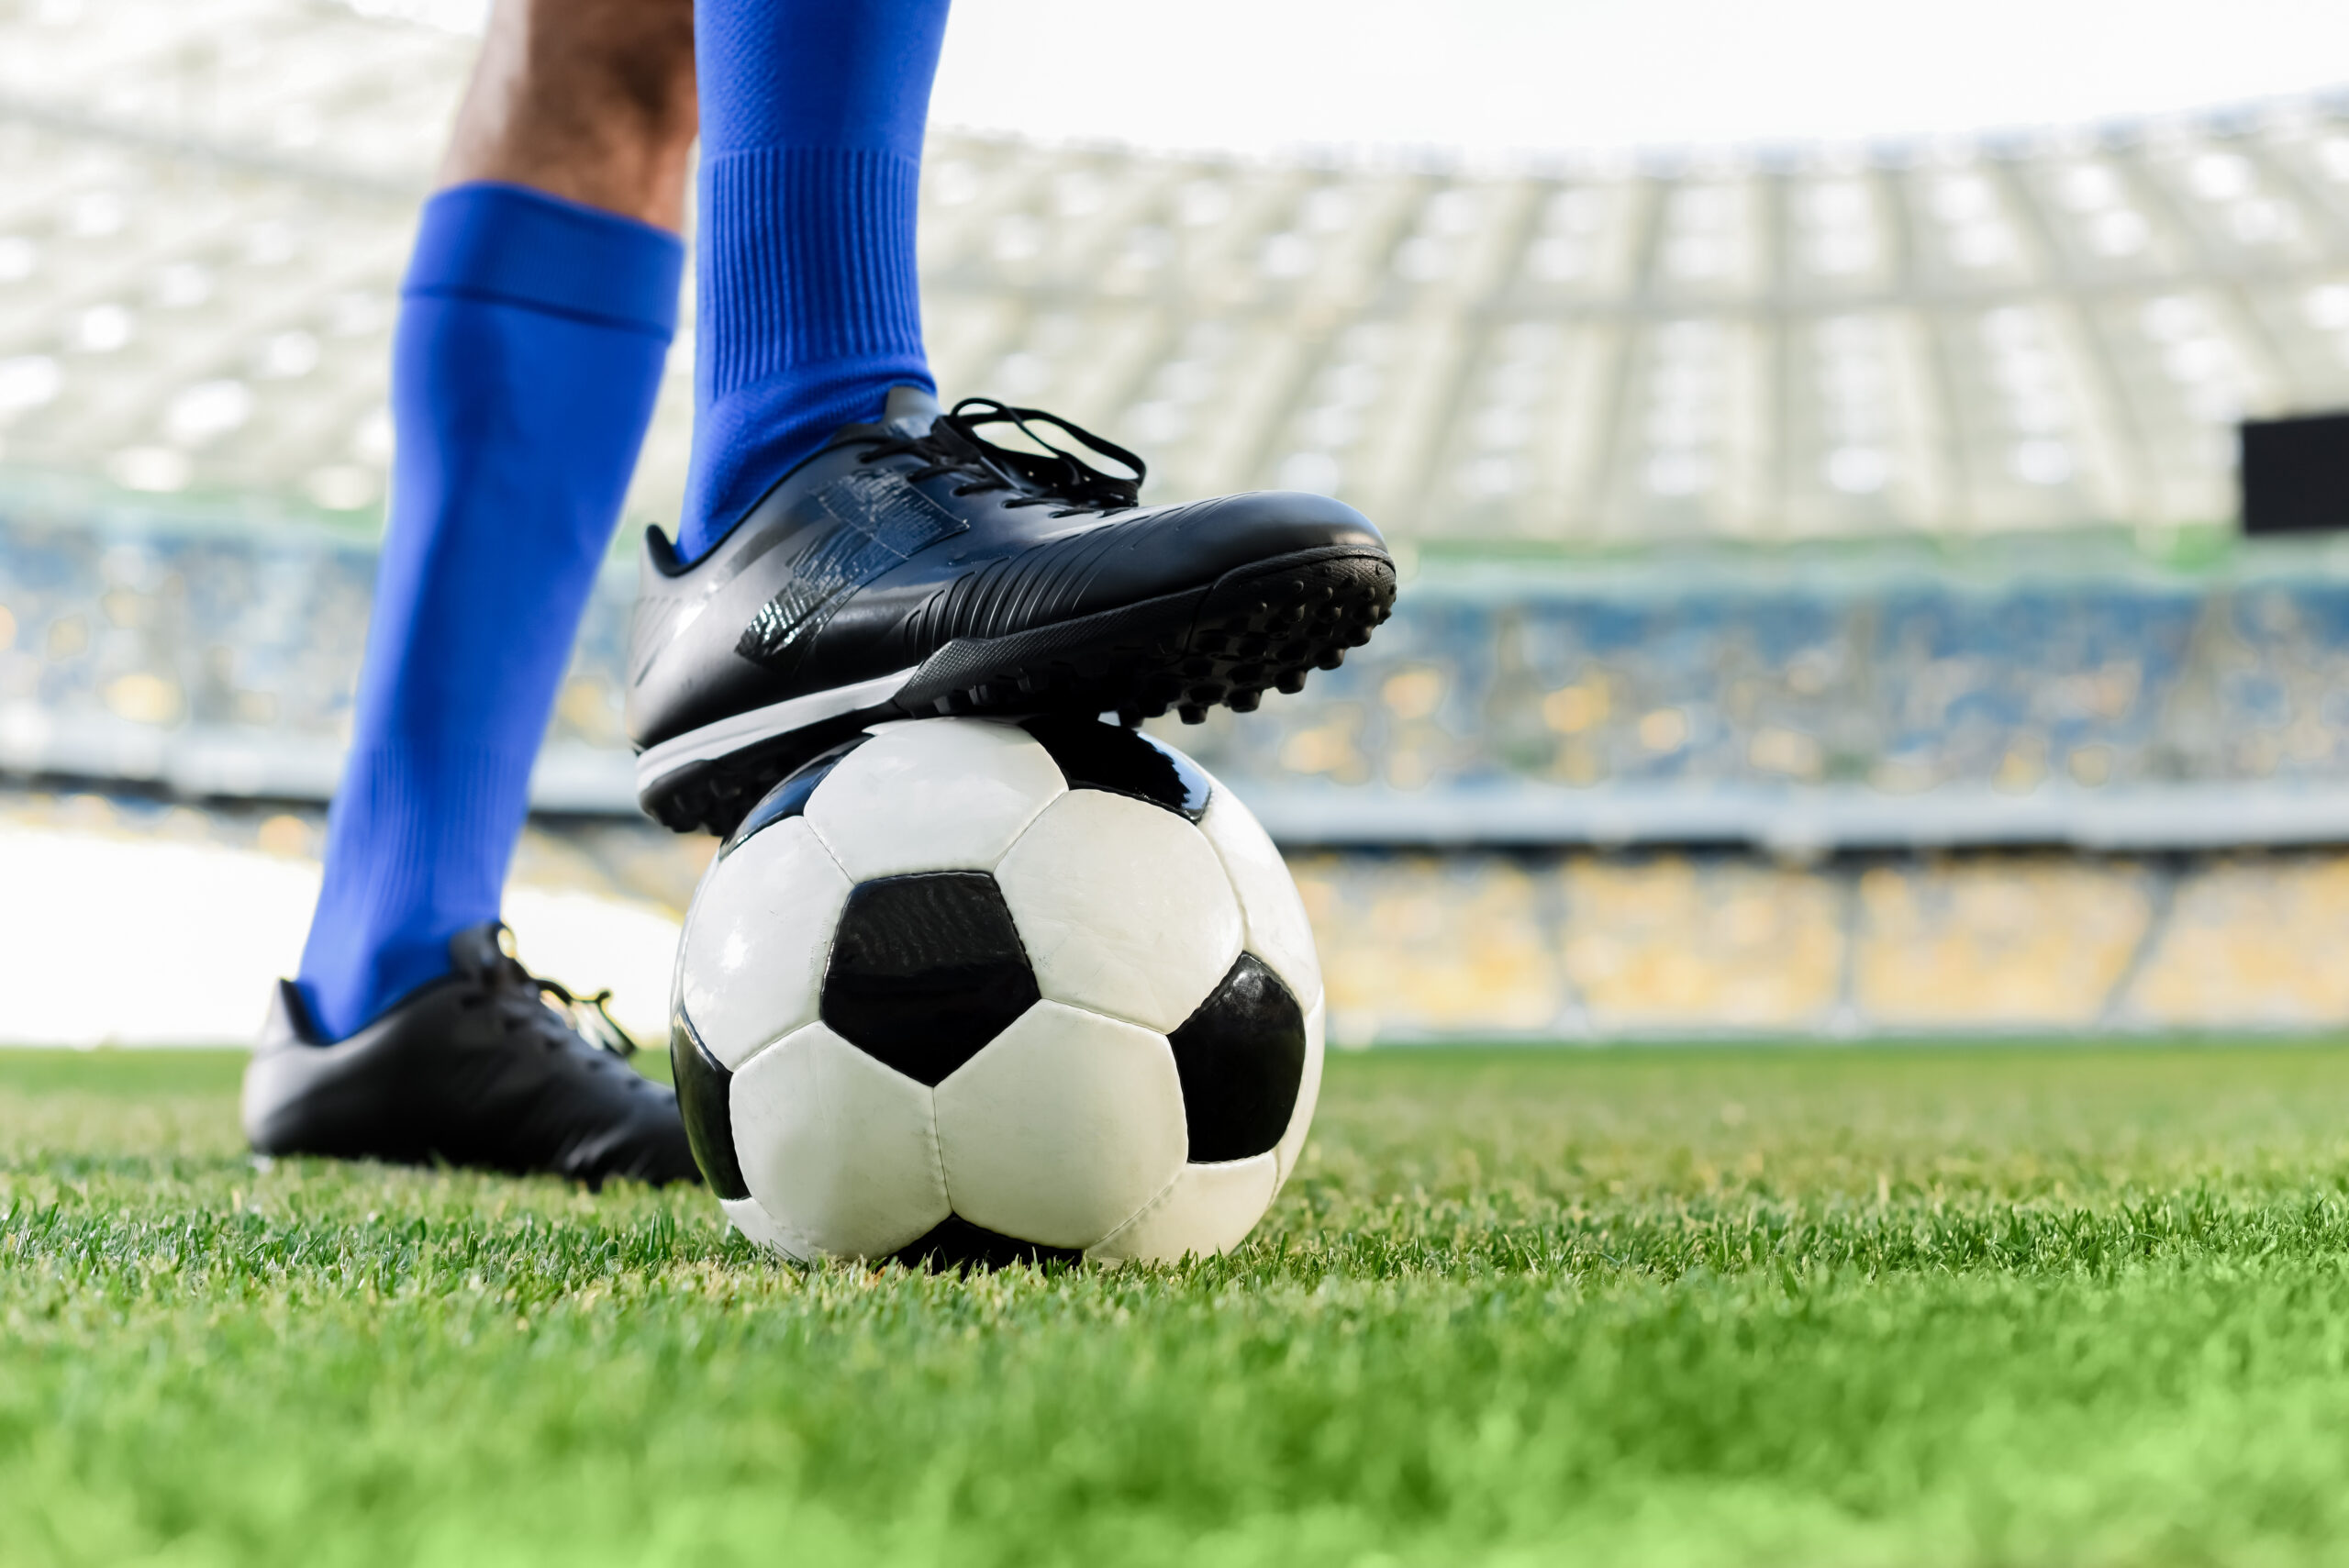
(1267, 625)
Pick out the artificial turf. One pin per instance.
(1991, 1306)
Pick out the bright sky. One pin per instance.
(1511, 75)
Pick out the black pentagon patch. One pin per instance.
(957, 1246)
(1241, 1057)
(1093, 755)
(704, 1088)
(789, 798)
(926, 969)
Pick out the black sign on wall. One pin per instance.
(2296, 473)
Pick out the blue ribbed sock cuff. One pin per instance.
(810, 312)
(516, 246)
(808, 257)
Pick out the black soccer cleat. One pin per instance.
(476, 1069)
(915, 568)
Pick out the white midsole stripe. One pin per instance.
(729, 736)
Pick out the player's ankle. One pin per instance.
(348, 986)
(747, 441)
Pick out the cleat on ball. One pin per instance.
(917, 566)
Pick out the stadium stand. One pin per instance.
(1661, 703)
(2094, 704)
(2254, 938)
(2026, 332)
(1939, 436)
(1433, 946)
(220, 660)
(1679, 944)
(1995, 943)
(1544, 945)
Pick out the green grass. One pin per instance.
(2074, 1306)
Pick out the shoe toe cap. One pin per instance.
(1267, 522)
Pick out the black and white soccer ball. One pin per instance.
(969, 991)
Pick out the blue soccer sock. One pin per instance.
(811, 128)
(529, 350)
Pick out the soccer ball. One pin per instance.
(963, 991)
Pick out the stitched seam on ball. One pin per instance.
(1158, 1200)
(818, 834)
(938, 1155)
(832, 933)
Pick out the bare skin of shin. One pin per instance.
(590, 100)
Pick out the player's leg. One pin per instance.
(592, 101)
(812, 115)
(534, 321)
(813, 588)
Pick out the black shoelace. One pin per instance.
(590, 1016)
(548, 1007)
(1053, 477)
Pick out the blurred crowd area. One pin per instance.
(1576, 945)
(221, 661)
(206, 206)
(167, 631)
(1777, 431)
(1901, 686)
(1541, 946)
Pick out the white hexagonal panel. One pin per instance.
(1124, 907)
(1278, 931)
(751, 964)
(1309, 1095)
(1209, 1209)
(935, 795)
(841, 1151)
(1062, 1127)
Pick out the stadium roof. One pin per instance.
(206, 204)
